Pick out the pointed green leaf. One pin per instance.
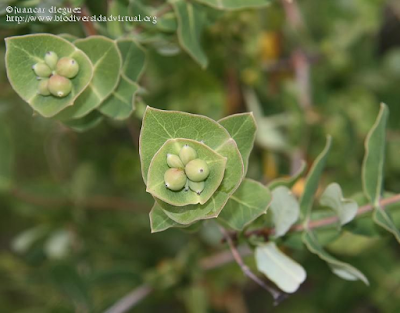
(106, 59)
(341, 269)
(25, 51)
(242, 128)
(159, 221)
(121, 103)
(158, 166)
(290, 181)
(312, 181)
(285, 210)
(191, 20)
(235, 4)
(249, 201)
(286, 273)
(372, 170)
(332, 197)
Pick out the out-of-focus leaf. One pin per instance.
(346, 209)
(58, 244)
(191, 20)
(27, 238)
(341, 269)
(285, 210)
(115, 8)
(307, 199)
(286, 273)
(290, 181)
(82, 182)
(195, 299)
(85, 123)
(249, 201)
(235, 4)
(372, 170)
(242, 128)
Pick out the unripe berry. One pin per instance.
(187, 154)
(43, 87)
(174, 161)
(67, 67)
(51, 59)
(197, 170)
(197, 187)
(41, 69)
(175, 179)
(59, 86)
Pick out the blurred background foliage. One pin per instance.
(74, 227)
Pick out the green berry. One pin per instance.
(175, 179)
(41, 69)
(67, 67)
(51, 59)
(187, 154)
(174, 161)
(59, 86)
(197, 187)
(197, 170)
(43, 87)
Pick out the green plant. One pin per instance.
(196, 167)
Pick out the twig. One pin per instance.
(131, 299)
(322, 222)
(278, 296)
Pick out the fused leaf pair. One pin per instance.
(224, 146)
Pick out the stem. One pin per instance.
(278, 296)
(130, 300)
(322, 222)
(88, 26)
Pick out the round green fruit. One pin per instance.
(174, 161)
(41, 69)
(187, 154)
(43, 88)
(59, 86)
(197, 170)
(51, 59)
(67, 67)
(197, 187)
(175, 179)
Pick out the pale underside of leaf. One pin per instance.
(235, 4)
(290, 181)
(286, 273)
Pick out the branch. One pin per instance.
(88, 26)
(322, 222)
(278, 296)
(131, 299)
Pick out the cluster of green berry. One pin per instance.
(186, 170)
(54, 75)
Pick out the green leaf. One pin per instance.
(235, 4)
(191, 21)
(85, 123)
(106, 59)
(249, 201)
(6, 157)
(121, 102)
(285, 210)
(159, 126)
(158, 166)
(69, 37)
(159, 221)
(25, 51)
(242, 128)
(341, 269)
(286, 273)
(290, 181)
(372, 170)
(115, 8)
(312, 181)
(346, 209)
